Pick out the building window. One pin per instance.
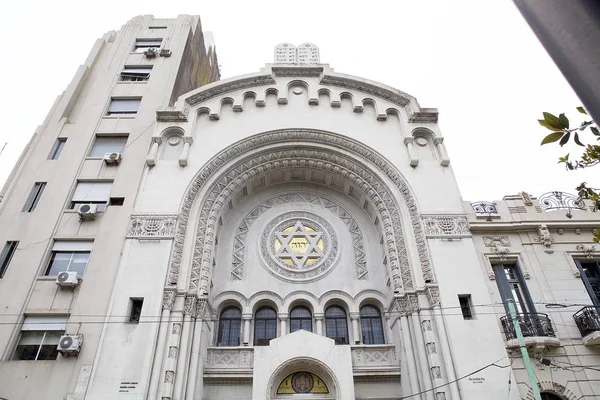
(336, 325)
(69, 256)
(512, 287)
(124, 106)
(549, 396)
(590, 274)
(39, 337)
(135, 310)
(34, 196)
(136, 73)
(141, 45)
(371, 325)
(59, 144)
(7, 252)
(265, 326)
(91, 193)
(466, 306)
(230, 325)
(108, 144)
(300, 318)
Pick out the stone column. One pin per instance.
(421, 355)
(167, 377)
(413, 373)
(182, 359)
(196, 356)
(412, 154)
(187, 142)
(355, 332)
(446, 355)
(432, 350)
(445, 160)
(319, 320)
(246, 318)
(151, 159)
(283, 318)
(160, 352)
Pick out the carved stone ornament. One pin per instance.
(299, 246)
(498, 244)
(239, 242)
(168, 299)
(526, 199)
(433, 295)
(152, 226)
(230, 179)
(189, 306)
(588, 249)
(446, 225)
(545, 238)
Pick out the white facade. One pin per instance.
(295, 197)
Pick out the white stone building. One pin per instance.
(294, 233)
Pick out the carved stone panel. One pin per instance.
(152, 226)
(374, 356)
(446, 226)
(229, 358)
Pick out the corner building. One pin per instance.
(290, 233)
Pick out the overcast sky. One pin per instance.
(476, 61)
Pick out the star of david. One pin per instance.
(299, 246)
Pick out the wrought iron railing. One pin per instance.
(561, 201)
(588, 320)
(532, 324)
(484, 207)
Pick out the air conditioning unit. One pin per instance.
(165, 53)
(87, 211)
(70, 345)
(112, 158)
(67, 279)
(150, 53)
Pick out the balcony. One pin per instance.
(588, 322)
(380, 358)
(228, 362)
(536, 328)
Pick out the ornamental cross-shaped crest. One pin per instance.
(299, 246)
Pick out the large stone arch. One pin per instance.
(227, 171)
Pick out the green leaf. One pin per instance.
(595, 131)
(565, 139)
(564, 121)
(552, 121)
(581, 110)
(553, 137)
(576, 138)
(545, 124)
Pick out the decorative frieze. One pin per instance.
(446, 226)
(374, 356)
(152, 226)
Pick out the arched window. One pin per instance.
(265, 326)
(229, 327)
(372, 328)
(336, 325)
(549, 396)
(300, 318)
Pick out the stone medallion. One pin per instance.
(299, 246)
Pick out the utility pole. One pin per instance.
(526, 361)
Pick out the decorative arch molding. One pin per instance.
(309, 364)
(554, 388)
(331, 160)
(328, 203)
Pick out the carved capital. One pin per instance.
(188, 139)
(168, 298)
(438, 140)
(433, 295)
(189, 305)
(409, 140)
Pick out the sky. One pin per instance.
(477, 61)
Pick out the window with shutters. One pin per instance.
(7, 253)
(39, 338)
(34, 196)
(300, 318)
(91, 193)
(140, 73)
(108, 144)
(69, 256)
(141, 45)
(124, 106)
(336, 325)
